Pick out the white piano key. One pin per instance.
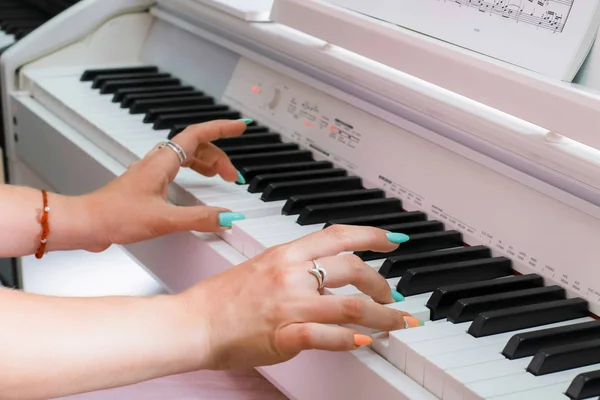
(514, 384)
(399, 340)
(439, 356)
(551, 392)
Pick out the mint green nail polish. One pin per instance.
(227, 219)
(241, 178)
(247, 121)
(397, 237)
(397, 296)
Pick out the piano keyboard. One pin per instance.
(17, 20)
(488, 332)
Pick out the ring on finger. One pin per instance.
(320, 273)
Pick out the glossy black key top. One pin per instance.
(90, 74)
(413, 228)
(319, 214)
(168, 121)
(584, 386)
(100, 79)
(270, 158)
(128, 100)
(562, 358)
(394, 267)
(381, 219)
(260, 148)
(295, 204)
(420, 243)
(110, 87)
(260, 182)
(256, 129)
(248, 140)
(427, 279)
(512, 319)
(143, 106)
(528, 343)
(251, 171)
(153, 91)
(444, 297)
(153, 113)
(285, 190)
(467, 309)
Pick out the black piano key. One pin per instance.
(467, 309)
(584, 386)
(295, 204)
(176, 102)
(168, 121)
(427, 279)
(528, 343)
(260, 182)
(90, 74)
(321, 213)
(248, 160)
(110, 87)
(100, 79)
(381, 219)
(154, 91)
(285, 190)
(260, 148)
(562, 358)
(444, 297)
(21, 33)
(512, 319)
(413, 228)
(153, 113)
(250, 172)
(256, 129)
(394, 267)
(249, 140)
(128, 99)
(420, 243)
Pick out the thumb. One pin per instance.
(202, 218)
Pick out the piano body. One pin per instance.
(501, 198)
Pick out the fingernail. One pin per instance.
(397, 237)
(241, 178)
(362, 340)
(397, 296)
(226, 219)
(412, 322)
(247, 121)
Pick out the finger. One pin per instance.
(203, 169)
(349, 269)
(342, 238)
(213, 157)
(200, 218)
(295, 338)
(194, 136)
(356, 310)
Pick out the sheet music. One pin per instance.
(548, 36)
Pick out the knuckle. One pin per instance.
(338, 233)
(305, 337)
(353, 308)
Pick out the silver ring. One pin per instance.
(176, 148)
(319, 273)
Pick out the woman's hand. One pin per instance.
(134, 208)
(268, 309)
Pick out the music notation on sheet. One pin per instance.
(547, 14)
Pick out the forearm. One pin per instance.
(56, 346)
(70, 222)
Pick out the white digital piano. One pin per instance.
(493, 171)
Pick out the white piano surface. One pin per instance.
(253, 10)
(490, 203)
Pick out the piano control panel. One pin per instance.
(464, 195)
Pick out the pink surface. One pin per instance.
(210, 385)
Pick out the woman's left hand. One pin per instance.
(134, 207)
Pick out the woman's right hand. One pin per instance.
(268, 309)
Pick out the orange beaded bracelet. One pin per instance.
(45, 227)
